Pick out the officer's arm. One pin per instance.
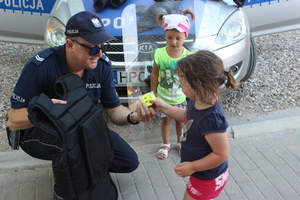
(18, 119)
(122, 115)
(118, 115)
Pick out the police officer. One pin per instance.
(82, 54)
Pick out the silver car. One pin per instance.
(225, 27)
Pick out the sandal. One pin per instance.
(178, 147)
(163, 151)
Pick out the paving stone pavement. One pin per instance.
(264, 164)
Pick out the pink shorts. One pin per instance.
(206, 189)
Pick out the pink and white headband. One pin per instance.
(178, 22)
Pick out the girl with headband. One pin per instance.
(164, 80)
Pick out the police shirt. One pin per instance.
(40, 73)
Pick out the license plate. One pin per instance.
(121, 77)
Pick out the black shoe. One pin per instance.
(56, 194)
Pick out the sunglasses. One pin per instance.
(93, 50)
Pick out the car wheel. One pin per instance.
(252, 62)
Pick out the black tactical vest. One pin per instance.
(81, 171)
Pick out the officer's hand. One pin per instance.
(143, 113)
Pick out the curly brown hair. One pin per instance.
(205, 73)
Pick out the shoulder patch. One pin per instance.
(41, 56)
(106, 59)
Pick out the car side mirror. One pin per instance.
(239, 3)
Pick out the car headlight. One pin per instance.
(55, 32)
(234, 29)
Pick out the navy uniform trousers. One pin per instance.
(47, 147)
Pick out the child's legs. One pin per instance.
(165, 134)
(178, 130)
(178, 123)
(165, 129)
(187, 196)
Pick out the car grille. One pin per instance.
(115, 51)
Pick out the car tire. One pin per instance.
(252, 61)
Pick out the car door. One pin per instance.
(272, 16)
(24, 21)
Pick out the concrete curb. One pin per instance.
(263, 127)
(288, 119)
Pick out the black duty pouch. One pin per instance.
(13, 138)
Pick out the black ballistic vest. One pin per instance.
(81, 171)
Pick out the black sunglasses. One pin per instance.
(93, 50)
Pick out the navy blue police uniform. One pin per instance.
(39, 75)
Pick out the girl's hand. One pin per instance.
(158, 104)
(184, 169)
